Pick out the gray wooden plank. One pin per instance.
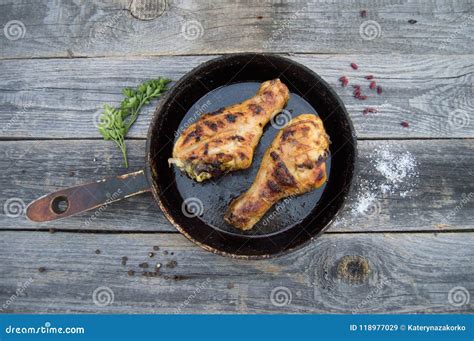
(403, 185)
(62, 98)
(114, 28)
(342, 273)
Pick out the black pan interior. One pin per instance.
(229, 80)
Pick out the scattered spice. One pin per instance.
(71, 173)
(143, 265)
(158, 265)
(41, 269)
(97, 252)
(124, 260)
(165, 252)
(369, 77)
(259, 17)
(151, 254)
(363, 13)
(156, 248)
(344, 81)
(372, 85)
(131, 272)
(404, 124)
(354, 66)
(412, 21)
(230, 285)
(172, 264)
(379, 89)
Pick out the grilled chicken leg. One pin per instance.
(225, 140)
(293, 164)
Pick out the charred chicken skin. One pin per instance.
(293, 164)
(225, 140)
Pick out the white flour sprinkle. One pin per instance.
(398, 169)
(399, 175)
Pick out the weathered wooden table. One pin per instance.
(404, 243)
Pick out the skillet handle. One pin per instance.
(70, 201)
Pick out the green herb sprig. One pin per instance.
(114, 123)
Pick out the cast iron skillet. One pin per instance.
(233, 77)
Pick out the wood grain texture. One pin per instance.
(435, 194)
(113, 28)
(62, 98)
(365, 273)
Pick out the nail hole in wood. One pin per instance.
(60, 204)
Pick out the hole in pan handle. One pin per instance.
(70, 201)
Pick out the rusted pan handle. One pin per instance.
(74, 200)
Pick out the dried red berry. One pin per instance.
(344, 81)
(356, 86)
(372, 85)
(362, 98)
(404, 124)
(363, 13)
(379, 89)
(354, 66)
(369, 77)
